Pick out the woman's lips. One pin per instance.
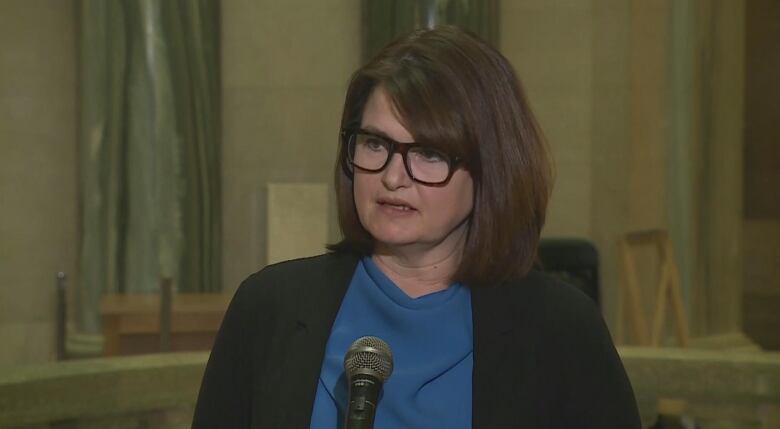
(395, 204)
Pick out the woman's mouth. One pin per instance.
(395, 204)
(398, 207)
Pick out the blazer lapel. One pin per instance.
(310, 327)
(498, 360)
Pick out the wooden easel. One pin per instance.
(667, 291)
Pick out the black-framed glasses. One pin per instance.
(424, 164)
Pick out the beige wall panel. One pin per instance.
(725, 140)
(549, 44)
(272, 135)
(285, 69)
(26, 342)
(297, 219)
(289, 43)
(649, 117)
(610, 168)
(38, 177)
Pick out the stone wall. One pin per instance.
(38, 176)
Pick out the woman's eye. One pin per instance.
(430, 155)
(373, 144)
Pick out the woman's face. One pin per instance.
(398, 211)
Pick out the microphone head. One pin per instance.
(370, 356)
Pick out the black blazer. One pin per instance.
(543, 357)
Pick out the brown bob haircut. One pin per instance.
(452, 90)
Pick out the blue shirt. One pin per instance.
(431, 338)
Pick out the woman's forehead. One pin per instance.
(380, 116)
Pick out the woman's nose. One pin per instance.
(394, 175)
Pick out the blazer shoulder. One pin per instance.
(301, 268)
(560, 334)
(545, 290)
(577, 349)
(554, 308)
(289, 277)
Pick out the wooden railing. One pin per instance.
(721, 389)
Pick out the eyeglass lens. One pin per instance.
(425, 164)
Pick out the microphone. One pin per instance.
(368, 363)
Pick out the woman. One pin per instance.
(442, 184)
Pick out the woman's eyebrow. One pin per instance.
(380, 133)
(377, 131)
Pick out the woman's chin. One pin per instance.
(394, 241)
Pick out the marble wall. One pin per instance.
(284, 75)
(595, 77)
(550, 46)
(642, 105)
(38, 177)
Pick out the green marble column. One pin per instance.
(384, 20)
(149, 149)
(682, 171)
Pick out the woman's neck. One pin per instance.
(418, 270)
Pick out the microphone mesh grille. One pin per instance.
(369, 355)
